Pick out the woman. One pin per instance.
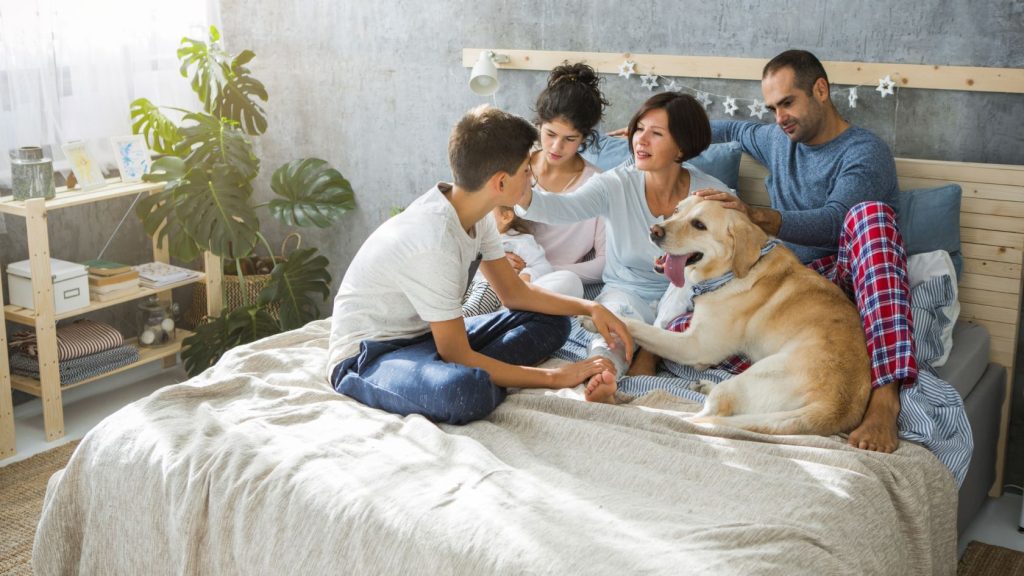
(567, 111)
(669, 129)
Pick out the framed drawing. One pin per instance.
(84, 165)
(132, 156)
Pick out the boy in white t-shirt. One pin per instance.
(399, 341)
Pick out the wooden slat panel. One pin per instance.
(968, 78)
(1001, 269)
(993, 283)
(1009, 174)
(983, 191)
(993, 253)
(983, 312)
(992, 238)
(1003, 348)
(990, 222)
(989, 298)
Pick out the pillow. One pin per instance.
(720, 160)
(935, 304)
(929, 219)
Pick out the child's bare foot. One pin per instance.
(644, 364)
(879, 431)
(601, 388)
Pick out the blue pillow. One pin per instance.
(720, 160)
(929, 219)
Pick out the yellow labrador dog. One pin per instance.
(811, 372)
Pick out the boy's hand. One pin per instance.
(607, 324)
(516, 261)
(579, 372)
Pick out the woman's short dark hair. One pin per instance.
(573, 93)
(687, 122)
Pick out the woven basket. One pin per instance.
(232, 288)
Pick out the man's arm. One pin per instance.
(753, 137)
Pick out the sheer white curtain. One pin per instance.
(69, 69)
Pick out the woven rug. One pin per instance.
(982, 559)
(22, 487)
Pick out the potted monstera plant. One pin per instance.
(208, 165)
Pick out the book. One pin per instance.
(131, 283)
(102, 280)
(157, 274)
(106, 267)
(108, 296)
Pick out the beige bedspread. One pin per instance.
(259, 467)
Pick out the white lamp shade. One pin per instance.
(483, 81)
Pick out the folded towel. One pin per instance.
(80, 338)
(81, 368)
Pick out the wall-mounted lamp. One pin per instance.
(484, 78)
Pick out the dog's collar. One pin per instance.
(705, 286)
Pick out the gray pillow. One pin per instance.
(929, 219)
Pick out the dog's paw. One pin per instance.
(587, 323)
(701, 367)
(703, 386)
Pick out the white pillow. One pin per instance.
(922, 267)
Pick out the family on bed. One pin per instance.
(401, 341)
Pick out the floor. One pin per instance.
(86, 405)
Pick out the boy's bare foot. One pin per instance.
(601, 388)
(879, 431)
(644, 364)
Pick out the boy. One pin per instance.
(398, 338)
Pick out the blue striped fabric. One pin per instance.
(928, 301)
(78, 369)
(932, 412)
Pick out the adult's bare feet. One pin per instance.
(644, 364)
(879, 431)
(601, 388)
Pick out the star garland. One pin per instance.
(651, 81)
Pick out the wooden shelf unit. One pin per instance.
(44, 318)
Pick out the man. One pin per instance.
(834, 192)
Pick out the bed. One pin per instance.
(258, 466)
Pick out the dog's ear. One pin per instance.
(747, 239)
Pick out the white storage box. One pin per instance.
(70, 285)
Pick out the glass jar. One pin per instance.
(156, 326)
(31, 174)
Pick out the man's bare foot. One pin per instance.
(644, 364)
(879, 431)
(601, 388)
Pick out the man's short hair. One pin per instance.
(486, 141)
(806, 68)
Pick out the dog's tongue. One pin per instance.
(674, 268)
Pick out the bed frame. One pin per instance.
(992, 242)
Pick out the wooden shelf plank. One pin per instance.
(28, 317)
(66, 198)
(146, 355)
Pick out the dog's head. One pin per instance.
(704, 240)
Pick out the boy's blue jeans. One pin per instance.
(409, 377)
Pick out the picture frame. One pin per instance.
(132, 155)
(84, 165)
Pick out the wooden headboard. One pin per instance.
(992, 242)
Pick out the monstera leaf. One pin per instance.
(204, 210)
(224, 85)
(211, 340)
(147, 119)
(292, 285)
(212, 141)
(312, 193)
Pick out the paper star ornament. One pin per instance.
(704, 98)
(852, 98)
(757, 109)
(730, 105)
(672, 86)
(649, 81)
(627, 69)
(885, 86)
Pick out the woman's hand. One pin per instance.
(579, 372)
(765, 218)
(728, 200)
(516, 261)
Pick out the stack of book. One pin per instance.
(110, 280)
(158, 274)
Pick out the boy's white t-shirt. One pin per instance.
(411, 271)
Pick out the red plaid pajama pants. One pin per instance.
(871, 267)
